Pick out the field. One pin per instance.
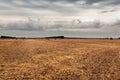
(73, 59)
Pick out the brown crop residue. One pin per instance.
(65, 59)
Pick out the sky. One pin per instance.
(72, 18)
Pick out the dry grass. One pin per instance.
(59, 59)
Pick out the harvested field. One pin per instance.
(73, 59)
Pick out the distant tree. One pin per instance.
(7, 37)
(111, 38)
(119, 38)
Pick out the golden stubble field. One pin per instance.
(31, 59)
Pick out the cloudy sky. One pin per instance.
(76, 18)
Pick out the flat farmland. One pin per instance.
(61, 59)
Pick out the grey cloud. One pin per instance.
(94, 24)
(116, 23)
(30, 4)
(30, 25)
(106, 11)
(114, 2)
(24, 3)
(23, 7)
(35, 26)
(86, 11)
(89, 28)
(20, 25)
(105, 2)
(94, 1)
(87, 25)
(18, 7)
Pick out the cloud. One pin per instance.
(22, 25)
(107, 11)
(47, 4)
(94, 1)
(29, 28)
(114, 2)
(32, 25)
(88, 11)
(53, 7)
(116, 23)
